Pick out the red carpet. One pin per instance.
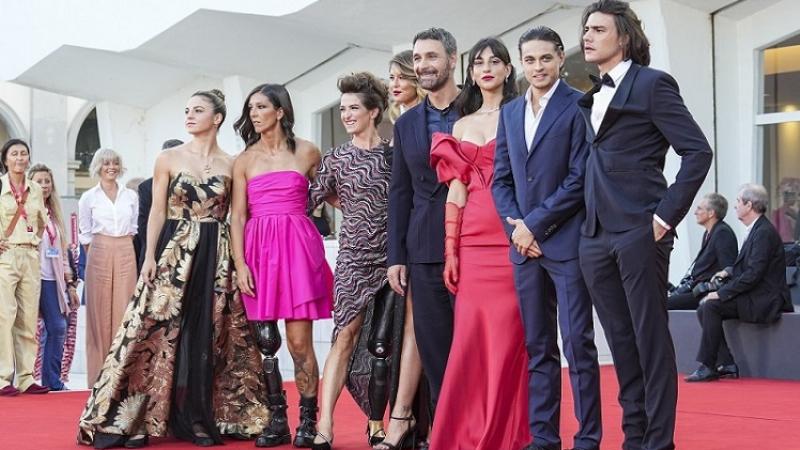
(748, 413)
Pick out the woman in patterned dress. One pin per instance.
(355, 178)
(184, 361)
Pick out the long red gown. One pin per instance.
(484, 399)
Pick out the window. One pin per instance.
(779, 133)
(87, 144)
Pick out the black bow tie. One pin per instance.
(599, 82)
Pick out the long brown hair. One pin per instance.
(637, 47)
(279, 97)
(52, 203)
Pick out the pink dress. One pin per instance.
(284, 251)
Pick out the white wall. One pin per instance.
(738, 45)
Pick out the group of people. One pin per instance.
(725, 283)
(488, 222)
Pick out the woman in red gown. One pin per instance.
(484, 398)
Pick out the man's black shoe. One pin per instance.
(703, 373)
(728, 371)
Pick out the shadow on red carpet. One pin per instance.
(746, 413)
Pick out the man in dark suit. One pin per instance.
(756, 289)
(718, 251)
(633, 115)
(145, 200)
(540, 160)
(416, 204)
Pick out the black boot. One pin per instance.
(277, 430)
(304, 435)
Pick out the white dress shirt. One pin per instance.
(600, 105)
(603, 98)
(747, 231)
(532, 119)
(97, 214)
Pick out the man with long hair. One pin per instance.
(633, 115)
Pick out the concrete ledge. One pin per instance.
(762, 351)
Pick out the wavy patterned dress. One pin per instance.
(184, 354)
(360, 179)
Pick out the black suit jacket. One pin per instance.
(416, 198)
(145, 200)
(625, 184)
(758, 277)
(719, 251)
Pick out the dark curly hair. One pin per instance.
(279, 97)
(370, 90)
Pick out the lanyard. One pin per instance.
(19, 197)
(51, 228)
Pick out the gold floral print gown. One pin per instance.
(183, 359)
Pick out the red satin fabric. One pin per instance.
(484, 399)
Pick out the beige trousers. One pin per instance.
(20, 284)
(110, 281)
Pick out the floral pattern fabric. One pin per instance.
(135, 390)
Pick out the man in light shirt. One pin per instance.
(540, 161)
(633, 115)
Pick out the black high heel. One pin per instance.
(327, 445)
(375, 432)
(409, 437)
(137, 442)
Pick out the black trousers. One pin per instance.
(682, 301)
(433, 321)
(714, 349)
(626, 274)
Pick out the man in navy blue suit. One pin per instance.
(416, 204)
(540, 161)
(633, 115)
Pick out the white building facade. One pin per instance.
(83, 74)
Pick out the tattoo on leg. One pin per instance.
(306, 374)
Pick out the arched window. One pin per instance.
(86, 145)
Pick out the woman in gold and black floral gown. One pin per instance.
(183, 362)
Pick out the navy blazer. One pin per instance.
(416, 198)
(758, 277)
(544, 187)
(625, 184)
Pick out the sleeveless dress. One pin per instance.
(184, 353)
(484, 400)
(284, 251)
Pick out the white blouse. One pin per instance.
(97, 214)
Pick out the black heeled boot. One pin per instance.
(304, 435)
(277, 431)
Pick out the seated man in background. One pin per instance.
(718, 251)
(752, 290)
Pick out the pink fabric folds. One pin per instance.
(284, 252)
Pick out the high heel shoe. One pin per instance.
(327, 445)
(375, 432)
(138, 441)
(409, 437)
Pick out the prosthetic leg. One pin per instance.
(380, 346)
(276, 432)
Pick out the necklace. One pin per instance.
(487, 111)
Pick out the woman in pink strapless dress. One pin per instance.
(280, 260)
